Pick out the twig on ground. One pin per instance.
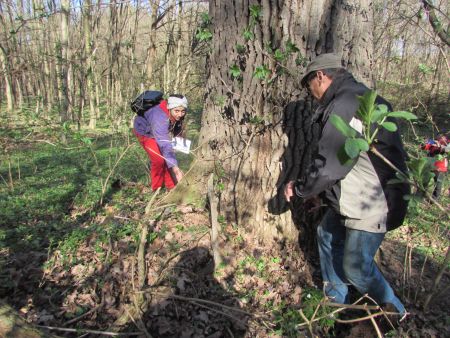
(213, 203)
(148, 208)
(308, 322)
(58, 145)
(141, 325)
(85, 314)
(222, 313)
(377, 314)
(354, 306)
(229, 332)
(104, 333)
(199, 300)
(384, 312)
(375, 325)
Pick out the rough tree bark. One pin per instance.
(257, 133)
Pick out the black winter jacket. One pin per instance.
(360, 190)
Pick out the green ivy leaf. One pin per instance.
(248, 35)
(420, 14)
(424, 69)
(235, 71)
(205, 18)
(203, 34)
(256, 120)
(240, 49)
(261, 72)
(403, 115)
(86, 140)
(279, 55)
(66, 127)
(390, 126)
(255, 11)
(291, 47)
(342, 126)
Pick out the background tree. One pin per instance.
(411, 60)
(83, 62)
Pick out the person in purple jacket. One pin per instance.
(154, 131)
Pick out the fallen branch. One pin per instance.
(147, 334)
(104, 333)
(199, 300)
(214, 223)
(307, 322)
(377, 314)
(354, 306)
(222, 313)
(375, 325)
(84, 314)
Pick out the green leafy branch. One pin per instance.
(255, 14)
(203, 32)
(373, 117)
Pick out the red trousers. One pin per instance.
(159, 172)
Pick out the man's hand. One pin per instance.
(178, 173)
(289, 190)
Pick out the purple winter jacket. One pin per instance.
(156, 124)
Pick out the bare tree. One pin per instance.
(62, 52)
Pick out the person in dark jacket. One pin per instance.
(154, 131)
(362, 206)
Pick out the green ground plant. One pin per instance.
(49, 189)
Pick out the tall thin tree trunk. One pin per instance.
(179, 39)
(62, 52)
(7, 77)
(87, 30)
(151, 49)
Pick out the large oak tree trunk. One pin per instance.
(256, 133)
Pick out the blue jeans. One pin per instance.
(346, 257)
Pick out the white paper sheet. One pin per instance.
(182, 145)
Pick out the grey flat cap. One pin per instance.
(323, 61)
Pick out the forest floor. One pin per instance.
(68, 263)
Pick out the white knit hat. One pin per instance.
(173, 102)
